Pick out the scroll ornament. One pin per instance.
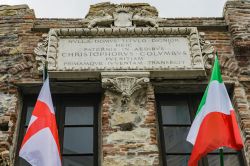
(126, 86)
(207, 50)
(41, 51)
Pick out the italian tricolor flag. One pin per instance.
(215, 123)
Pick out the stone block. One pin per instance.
(123, 117)
(137, 135)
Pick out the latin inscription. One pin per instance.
(123, 53)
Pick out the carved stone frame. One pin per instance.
(191, 33)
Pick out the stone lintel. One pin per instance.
(122, 74)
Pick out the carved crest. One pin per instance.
(123, 16)
(126, 86)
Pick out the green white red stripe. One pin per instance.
(215, 123)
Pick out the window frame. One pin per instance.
(193, 101)
(61, 101)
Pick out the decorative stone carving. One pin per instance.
(207, 50)
(197, 60)
(125, 85)
(143, 18)
(102, 18)
(41, 51)
(4, 158)
(122, 17)
(52, 49)
(46, 50)
(128, 31)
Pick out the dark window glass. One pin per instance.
(28, 115)
(78, 161)
(176, 112)
(174, 160)
(23, 162)
(232, 160)
(175, 139)
(78, 140)
(79, 115)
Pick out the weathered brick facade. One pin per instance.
(20, 32)
(130, 132)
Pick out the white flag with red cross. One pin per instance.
(40, 146)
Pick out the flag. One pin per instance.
(40, 146)
(215, 122)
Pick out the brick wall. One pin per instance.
(16, 62)
(237, 17)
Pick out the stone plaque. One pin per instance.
(165, 52)
(123, 53)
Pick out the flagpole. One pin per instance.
(221, 156)
(221, 148)
(45, 71)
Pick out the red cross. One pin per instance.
(44, 119)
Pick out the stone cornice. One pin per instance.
(45, 24)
